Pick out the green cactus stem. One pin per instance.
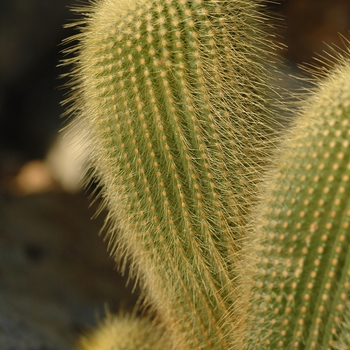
(177, 100)
(301, 287)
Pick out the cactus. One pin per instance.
(175, 96)
(128, 332)
(300, 297)
(182, 125)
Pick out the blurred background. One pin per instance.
(56, 277)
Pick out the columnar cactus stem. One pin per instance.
(176, 97)
(302, 282)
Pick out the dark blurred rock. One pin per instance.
(56, 277)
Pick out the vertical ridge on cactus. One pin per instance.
(177, 98)
(302, 280)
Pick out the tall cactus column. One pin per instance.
(176, 98)
(302, 282)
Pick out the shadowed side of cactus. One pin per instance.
(301, 287)
(176, 97)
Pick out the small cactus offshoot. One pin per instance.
(125, 332)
